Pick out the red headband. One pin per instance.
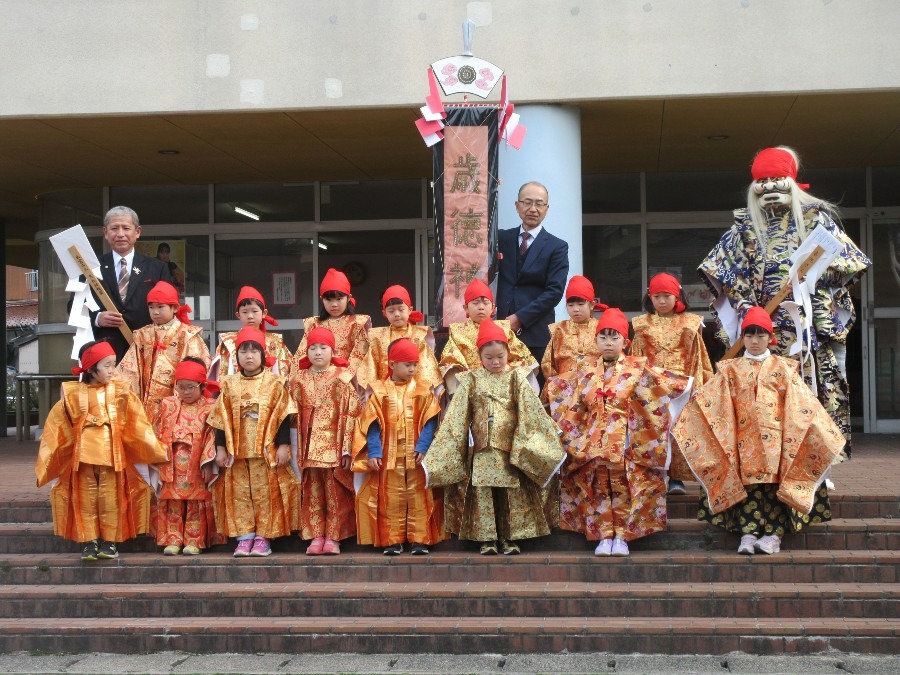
(336, 281)
(250, 293)
(615, 319)
(775, 163)
(321, 336)
(400, 293)
(581, 288)
(251, 334)
(478, 289)
(666, 283)
(165, 293)
(92, 356)
(403, 350)
(195, 372)
(488, 331)
(757, 316)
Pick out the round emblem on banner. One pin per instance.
(466, 74)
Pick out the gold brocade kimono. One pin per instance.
(226, 352)
(615, 416)
(73, 433)
(327, 408)
(675, 344)
(570, 343)
(517, 449)
(757, 422)
(461, 350)
(351, 340)
(375, 366)
(149, 364)
(250, 411)
(182, 428)
(393, 506)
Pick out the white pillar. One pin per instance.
(551, 155)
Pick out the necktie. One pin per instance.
(124, 276)
(523, 247)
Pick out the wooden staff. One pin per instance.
(772, 305)
(99, 290)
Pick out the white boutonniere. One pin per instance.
(136, 270)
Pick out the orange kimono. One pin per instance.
(185, 516)
(327, 408)
(615, 421)
(393, 506)
(95, 440)
(225, 360)
(570, 344)
(461, 350)
(375, 366)
(351, 340)
(754, 423)
(149, 364)
(253, 494)
(676, 344)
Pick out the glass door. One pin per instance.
(883, 327)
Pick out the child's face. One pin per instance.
(756, 343)
(479, 309)
(494, 357)
(105, 369)
(663, 303)
(335, 306)
(579, 310)
(249, 358)
(403, 371)
(188, 391)
(319, 356)
(160, 313)
(251, 315)
(397, 315)
(610, 344)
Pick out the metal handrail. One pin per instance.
(23, 399)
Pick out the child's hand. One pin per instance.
(375, 464)
(419, 458)
(346, 463)
(283, 454)
(207, 472)
(221, 456)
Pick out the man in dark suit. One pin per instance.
(533, 271)
(127, 277)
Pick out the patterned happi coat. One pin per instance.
(756, 422)
(226, 353)
(375, 366)
(615, 415)
(461, 350)
(351, 341)
(570, 343)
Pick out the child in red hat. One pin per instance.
(614, 416)
(327, 408)
(672, 339)
(339, 316)
(250, 310)
(403, 320)
(149, 364)
(573, 339)
(185, 520)
(760, 444)
(257, 495)
(393, 434)
(496, 489)
(461, 351)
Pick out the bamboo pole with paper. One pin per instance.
(781, 296)
(100, 291)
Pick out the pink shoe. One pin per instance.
(243, 548)
(331, 547)
(261, 547)
(315, 546)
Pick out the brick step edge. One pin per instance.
(452, 635)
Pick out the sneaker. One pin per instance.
(676, 487)
(509, 548)
(488, 548)
(604, 548)
(243, 548)
(315, 546)
(748, 544)
(89, 552)
(108, 551)
(396, 549)
(619, 548)
(419, 549)
(261, 547)
(770, 544)
(331, 547)
(172, 549)
(190, 550)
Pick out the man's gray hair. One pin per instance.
(121, 211)
(533, 182)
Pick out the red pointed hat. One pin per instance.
(488, 331)
(400, 293)
(166, 294)
(613, 318)
(757, 316)
(666, 283)
(250, 293)
(478, 289)
(92, 355)
(337, 281)
(403, 350)
(581, 288)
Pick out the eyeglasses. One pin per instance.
(528, 203)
